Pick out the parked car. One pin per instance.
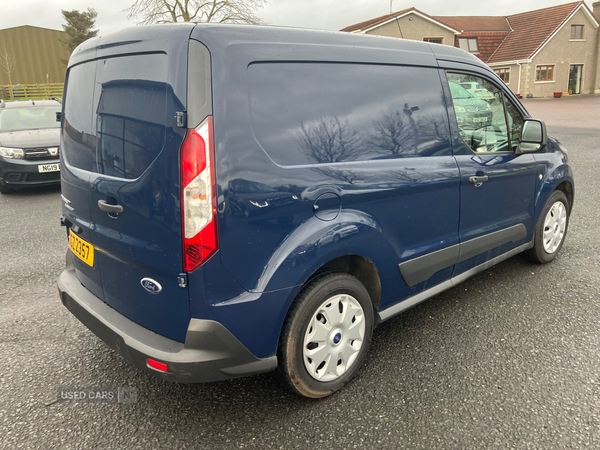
(471, 112)
(334, 130)
(477, 90)
(29, 144)
(338, 232)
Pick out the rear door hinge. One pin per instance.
(181, 118)
(182, 280)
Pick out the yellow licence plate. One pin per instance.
(81, 249)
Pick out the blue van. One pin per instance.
(241, 199)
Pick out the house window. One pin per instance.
(576, 31)
(469, 44)
(434, 40)
(544, 73)
(504, 74)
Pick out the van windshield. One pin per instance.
(29, 118)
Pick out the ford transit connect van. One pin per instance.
(240, 199)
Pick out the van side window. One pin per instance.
(479, 111)
(515, 121)
(318, 113)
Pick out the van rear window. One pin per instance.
(315, 113)
(115, 114)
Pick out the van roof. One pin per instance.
(220, 36)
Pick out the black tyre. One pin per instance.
(4, 189)
(551, 229)
(326, 335)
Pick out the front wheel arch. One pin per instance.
(538, 252)
(567, 188)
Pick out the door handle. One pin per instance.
(478, 181)
(111, 209)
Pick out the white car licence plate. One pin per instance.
(49, 168)
(479, 119)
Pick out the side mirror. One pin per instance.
(533, 137)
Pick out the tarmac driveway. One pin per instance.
(507, 359)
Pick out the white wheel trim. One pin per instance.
(555, 225)
(334, 337)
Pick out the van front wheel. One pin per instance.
(326, 335)
(551, 229)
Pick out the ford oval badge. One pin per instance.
(151, 286)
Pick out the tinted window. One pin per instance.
(515, 122)
(79, 147)
(481, 123)
(120, 117)
(308, 113)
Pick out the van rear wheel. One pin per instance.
(326, 335)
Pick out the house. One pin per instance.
(539, 52)
(36, 54)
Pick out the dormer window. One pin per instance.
(576, 32)
(469, 44)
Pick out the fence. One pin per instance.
(33, 91)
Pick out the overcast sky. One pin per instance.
(322, 14)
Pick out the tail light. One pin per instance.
(198, 197)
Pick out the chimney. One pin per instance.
(596, 9)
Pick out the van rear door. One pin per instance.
(121, 153)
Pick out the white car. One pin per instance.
(478, 91)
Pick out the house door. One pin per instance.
(575, 79)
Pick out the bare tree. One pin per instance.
(168, 11)
(329, 141)
(7, 62)
(393, 134)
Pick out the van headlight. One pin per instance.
(12, 153)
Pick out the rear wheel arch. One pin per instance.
(359, 267)
(297, 364)
(363, 269)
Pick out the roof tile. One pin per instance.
(476, 23)
(500, 38)
(363, 26)
(531, 30)
(488, 41)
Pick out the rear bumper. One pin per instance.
(22, 173)
(210, 351)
